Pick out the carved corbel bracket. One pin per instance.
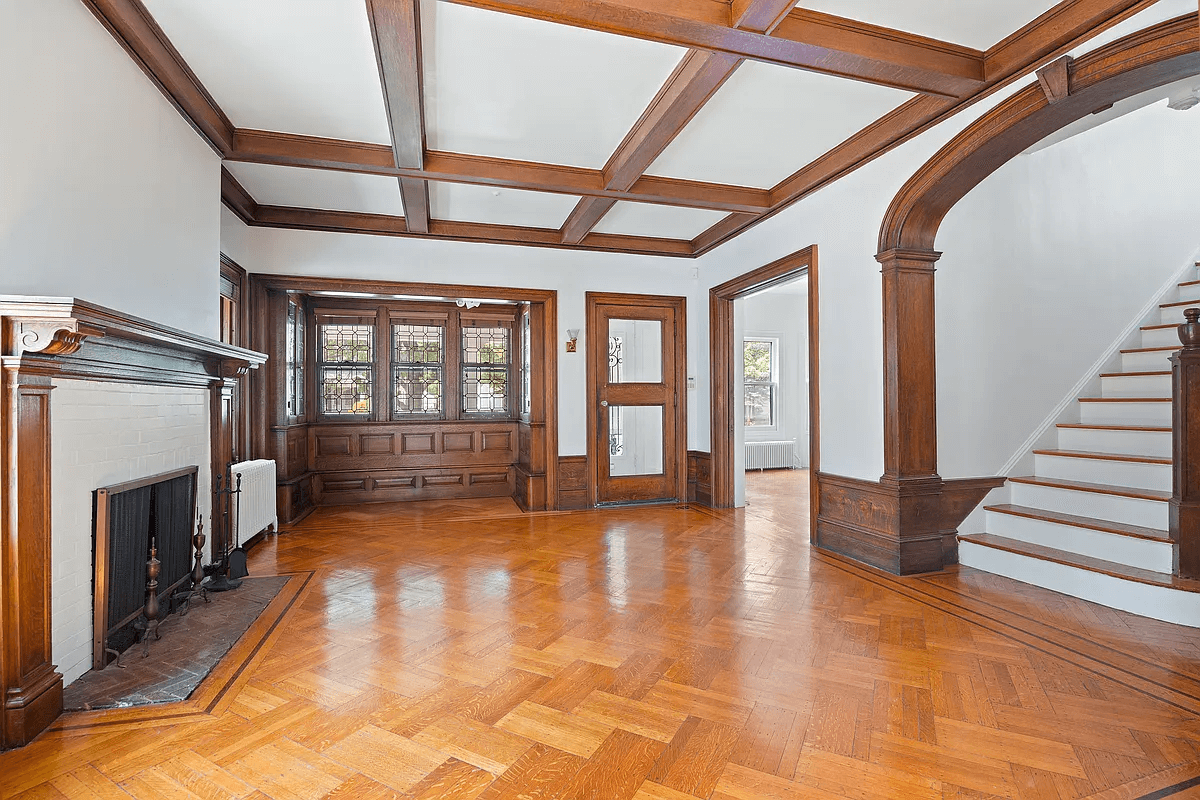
(1055, 79)
(53, 336)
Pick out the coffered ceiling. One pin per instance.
(648, 126)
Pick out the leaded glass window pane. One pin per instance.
(347, 353)
(346, 390)
(485, 371)
(485, 390)
(526, 368)
(418, 354)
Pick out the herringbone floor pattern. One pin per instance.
(650, 653)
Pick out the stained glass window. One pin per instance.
(418, 365)
(485, 370)
(347, 355)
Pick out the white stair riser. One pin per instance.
(1129, 510)
(1151, 361)
(1138, 443)
(1188, 293)
(1154, 414)
(1143, 553)
(1174, 314)
(1114, 473)
(1160, 337)
(1136, 386)
(1182, 608)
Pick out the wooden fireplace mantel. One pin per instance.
(43, 338)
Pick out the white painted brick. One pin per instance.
(104, 434)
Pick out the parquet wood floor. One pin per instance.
(655, 653)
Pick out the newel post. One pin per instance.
(1185, 499)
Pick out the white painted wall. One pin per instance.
(1044, 264)
(107, 194)
(103, 434)
(783, 316)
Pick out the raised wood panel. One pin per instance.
(904, 528)
(573, 474)
(699, 478)
(296, 462)
(342, 446)
(380, 486)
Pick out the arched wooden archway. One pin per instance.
(907, 521)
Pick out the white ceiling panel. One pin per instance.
(469, 203)
(666, 222)
(972, 23)
(319, 188)
(507, 86)
(295, 66)
(768, 121)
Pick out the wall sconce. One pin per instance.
(463, 303)
(572, 338)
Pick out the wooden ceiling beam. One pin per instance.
(396, 32)
(284, 149)
(760, 16)
(1056, 32)
(690, 86)
(384, 225)
(237, 198)
(803, 39)
(132, 25)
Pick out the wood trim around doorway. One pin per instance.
(679, 305)
(721, 380)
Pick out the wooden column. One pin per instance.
(32, 687)
(907, 522)
(1185, 499)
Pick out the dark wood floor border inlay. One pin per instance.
(1001, 628)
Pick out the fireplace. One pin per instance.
(127, 517)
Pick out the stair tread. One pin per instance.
(1087, 563)
(1163, 326)
(1179, 303)
(1190, 283)
(1152, 349)
(1102, 427)
(1154, 373)
(1104, 456)
(1105, 526)
(1124, 399)
(1095, 488)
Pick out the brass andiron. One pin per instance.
(185, 596)
(153, 566)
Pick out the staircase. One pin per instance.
(1092, 520)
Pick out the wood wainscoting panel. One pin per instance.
(294, 498)
(399, 485)
(341, 446)
(573, 475)
(903, 528)
(699, 477)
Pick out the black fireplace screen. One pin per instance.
(127, 517)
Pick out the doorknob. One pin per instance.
(604, 403)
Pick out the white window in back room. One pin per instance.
(760, 380)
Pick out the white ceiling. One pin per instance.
(645, 219)
(973, 23)
(494, 205)
(319, 188)
(295, 66)
(507, 86)
(767, 121)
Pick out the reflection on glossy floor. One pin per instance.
(655, 653)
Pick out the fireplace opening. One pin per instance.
(126, 518)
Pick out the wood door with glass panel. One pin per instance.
(636, 363)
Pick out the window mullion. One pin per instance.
(382, 367)
(453, 367)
